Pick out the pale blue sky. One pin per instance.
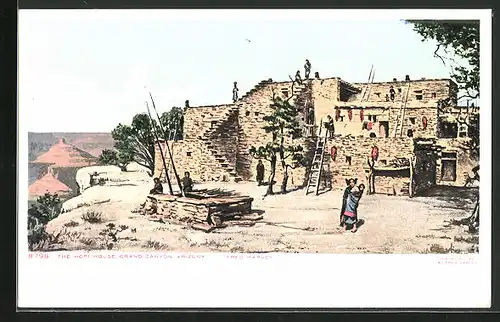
(84, 71)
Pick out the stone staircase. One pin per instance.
(256, 88)
(216, 140)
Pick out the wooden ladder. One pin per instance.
(368, 88)
(317, 163)
(398, 129)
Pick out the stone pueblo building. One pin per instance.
(397, 137)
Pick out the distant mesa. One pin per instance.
(64, 155)
(48, 184)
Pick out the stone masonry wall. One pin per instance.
(354, 127)
(325, 93)
(464, 163)
(359, 149)
(431, 91)
(250, 120)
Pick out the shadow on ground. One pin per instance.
(458, 197)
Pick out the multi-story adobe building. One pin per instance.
(421, 136)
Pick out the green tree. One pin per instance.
(40, 212)
(173, 123)
(112, 157)
(284, 127)
(136, 142)
(457, 39)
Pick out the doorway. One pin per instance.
(384, 129)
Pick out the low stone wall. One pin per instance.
(357, 150)
(200, 210)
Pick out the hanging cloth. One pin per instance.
(424, 122)
(374, 153)
(333, 153)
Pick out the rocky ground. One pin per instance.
(292, 222)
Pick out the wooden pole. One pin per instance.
(168, 147)
(410, 187)
(161, 150)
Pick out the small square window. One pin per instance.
(409, 133)
(433, 95)
(418, 97)
(213, 123)
(412, 120)
(399, 90)
(256, 113)
(247, 113)
(348, 159)
(374, 118)
(188, 154)
(369, 117)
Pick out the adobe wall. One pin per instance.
(325, 93)
(359, 149)
(355, 126)
(250, 119)
(431, 91)
(198, 120)
(465, 162)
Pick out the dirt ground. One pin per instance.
(292, 222)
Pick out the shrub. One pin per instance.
(155, 245)
(71, 224)
(92, 217)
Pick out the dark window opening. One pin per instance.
(378, 94)
(412, 120)
(384, 129)
(202, 115)
(365, 126)
(256, 113)
(449, 130)
(383, 162)
(374, 118)
(285, 93)
(449, 155)
(449, 170)
(373, 135)
(247, 113)
(419, 97)
(341, 119)
(213, 123)
(188, 154)
(433, 95)
(399, 90)
(409, 133)
(462, 131)
(369, 117)
(348, 159)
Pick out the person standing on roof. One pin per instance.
(392, 93)
(298, 79)
(307, 69)
(235, 92)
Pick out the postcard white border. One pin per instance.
(283, 280)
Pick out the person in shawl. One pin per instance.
(351, 183)
(349, 215)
